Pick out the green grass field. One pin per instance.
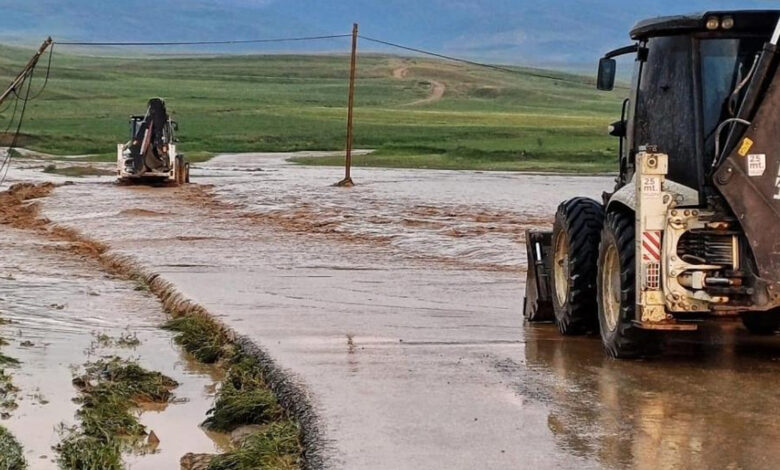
(486, 119)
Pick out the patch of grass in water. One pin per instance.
(125, 340)
(11, 454)
(276, 447)
(77, 171)
(110, 390)
(8, 390)
(244, 398)
(6, 360)
(82, 452)
(201, 337)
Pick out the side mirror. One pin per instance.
(606, 78)
(618, 129)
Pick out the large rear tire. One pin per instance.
(617, 289)
(179, 172)
(762, 323)
(575, 245)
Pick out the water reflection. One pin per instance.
(708, 403)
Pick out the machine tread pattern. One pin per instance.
(628, 340)
(582, 219)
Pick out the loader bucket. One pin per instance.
(538, 300)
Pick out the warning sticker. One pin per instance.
(747, 144)
(756, 164)
(651, 184)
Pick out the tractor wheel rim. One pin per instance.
(610, 288)
(561, 268)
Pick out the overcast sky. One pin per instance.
(532, 32)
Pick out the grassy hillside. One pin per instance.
(485, 119)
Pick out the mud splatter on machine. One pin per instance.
(690, 231)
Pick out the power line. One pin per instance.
(309, 38)
(458, 59)
(13, 115)
(6, 164)
(204, 43)
(46, 80)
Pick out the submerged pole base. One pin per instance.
(345, 183)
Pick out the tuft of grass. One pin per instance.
(201, 337)
(244, 398)
(83, 452)
(125, 340)
(8, 390)
(277, 447)
(128, 340)
(110, 389)
(11, 454)
(7, 361)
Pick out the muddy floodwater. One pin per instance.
(397, 305)
(63, 312)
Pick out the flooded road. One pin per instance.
(64, 312)
(475, 219)
(397, 304)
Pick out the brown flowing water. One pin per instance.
(64, 311)
(398, 304)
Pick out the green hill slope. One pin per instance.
(415, 112)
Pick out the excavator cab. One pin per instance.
(687, 233)
(150, 154)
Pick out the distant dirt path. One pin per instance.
(437, 88)
(437, 92)
(401, 72)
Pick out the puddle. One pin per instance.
(58, 305)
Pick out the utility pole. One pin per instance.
(23, 74)
(347, 181)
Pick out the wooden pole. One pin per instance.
(23, 74)
(347, 181)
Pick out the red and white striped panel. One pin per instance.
(651, 246)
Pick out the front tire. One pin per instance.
(617, 289)
(575, 245)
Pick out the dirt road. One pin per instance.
(435, 94)
(397, 305)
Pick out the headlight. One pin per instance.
(713, 23)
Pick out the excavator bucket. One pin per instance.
(538, 292)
